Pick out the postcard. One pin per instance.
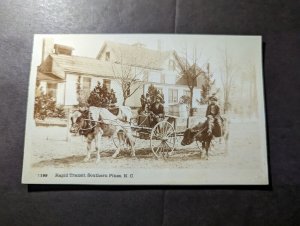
(146, 109)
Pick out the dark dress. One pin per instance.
(160, 111)
(214, 111)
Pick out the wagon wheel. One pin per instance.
(162, 139)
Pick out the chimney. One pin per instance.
(48, 46)
(62, 49)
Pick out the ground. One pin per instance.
(53, 146)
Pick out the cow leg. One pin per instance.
(131, 143)
(116, 152)
(120, 136)
(202, 149)
(207, 146)
(98, 140)
(88, 155)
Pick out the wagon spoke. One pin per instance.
(164, 132)
(164, 150)
(155, 133)
(169, 132)
(170, 143)
(158, 133)
(163, 147)
(157, 148)
(169, 128)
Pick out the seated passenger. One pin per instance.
(157, 108)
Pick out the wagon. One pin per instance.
(162, 135)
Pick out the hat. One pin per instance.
(159, 96)
(213, 98)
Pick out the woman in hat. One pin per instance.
(157, 108)
(213, 113)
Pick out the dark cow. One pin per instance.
(204, 133)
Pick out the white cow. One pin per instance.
(96, 123)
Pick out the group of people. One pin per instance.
(156, 108)
(153, 105)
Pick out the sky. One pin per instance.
(242, 50)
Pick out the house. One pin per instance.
(160, 68)
(60, 72)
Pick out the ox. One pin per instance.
(204, 133)
(96, 123)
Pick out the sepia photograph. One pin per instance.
(146, 109)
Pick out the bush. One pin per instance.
(102, 97)
(45, 106)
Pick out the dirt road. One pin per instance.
(53, 146)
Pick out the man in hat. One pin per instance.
(213, 113)
(157, 108)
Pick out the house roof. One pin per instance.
(49, 77)
(58, 64)
(136, 55)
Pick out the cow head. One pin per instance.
(77, 122)
(188, 137)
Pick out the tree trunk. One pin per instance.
(124, 101)
(191, 102)
(225, 102)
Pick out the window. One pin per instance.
(146, 76)
(51, 89)
(173, 95)
(106, 82)
(107, 56)
(86, 84)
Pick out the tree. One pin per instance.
(250, 92)
(190, 72)
(101, 96)
(129, 78)
(227, 74)
(209, 81)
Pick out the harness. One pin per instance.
(91, 125)
(199, 131)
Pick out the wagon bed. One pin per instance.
(164, 134)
